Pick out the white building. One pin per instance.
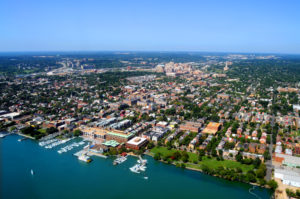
(291, 180)
(288, 177)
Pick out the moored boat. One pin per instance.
(135, 169)
(119, 160)
(84, 158)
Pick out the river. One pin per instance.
(63, 176)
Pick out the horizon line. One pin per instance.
(140, 51)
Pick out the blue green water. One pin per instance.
(64, 176)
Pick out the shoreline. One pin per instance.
(152, 156)
(20, 134)
(103, 170)
(199, 170)
(27, 136)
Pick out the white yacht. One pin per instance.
(84, 158)
(142, 168)
(135, 169)
(119, 160)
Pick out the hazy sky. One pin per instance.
(208, 25)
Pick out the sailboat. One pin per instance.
(32, 173)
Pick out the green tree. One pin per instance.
(150, 145)
(51, 130)
(273, 184)
(77, 132)
(251, 177)
(260, 173)
(202, 152)
(185, 156)
(182, 166)
(157, 156)
(256, 162)
(239, 157)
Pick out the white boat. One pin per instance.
(137, 168)
(119, 160)
(146, 178)
(48, 143)
(32, 173)
(134, 169)
(142, 168)
(84, 158)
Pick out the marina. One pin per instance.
(47, 142)
(59, 142)
(53, 142)
(70, 147)
(140, 166)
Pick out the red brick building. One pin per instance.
(136, 143)
(191, 126)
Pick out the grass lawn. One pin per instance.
(165, 152)
(42, 131)
(211, 163)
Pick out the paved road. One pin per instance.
(269, 162)
(269, 170)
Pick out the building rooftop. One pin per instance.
(111, 143)
(288, 159)
(136, 140)
(212, 128)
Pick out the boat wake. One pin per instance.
(252, 189)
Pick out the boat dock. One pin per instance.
(79, 153)
(96, 154)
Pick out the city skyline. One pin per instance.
(241, 27)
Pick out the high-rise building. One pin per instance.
(226, 66)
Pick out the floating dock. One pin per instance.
(96, 154)
(79, 153)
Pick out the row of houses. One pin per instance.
(156, 133)
(194, 141)
(172, 136)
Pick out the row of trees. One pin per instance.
(37, 133)
(238, 175)
(33, 132)
(294, 194)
